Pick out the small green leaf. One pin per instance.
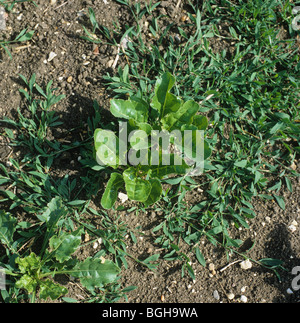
(69, 300)
(155, 193)
(52, 290)
(133, 108)
(93, 19)
(94, 273)
(65, 244)
(241, 163)
(183, 116)
(164, 101)
(28, 283)
(151, 258)
(200, 122)
(200, 257)
(52, 214)
(271, 263)
(29, 264)
(23, 36)
(137, 188)
(289, 184)
(105, 143)
(280, 201)
(32, 82)
(190, 271)
(76, 202)
(115, 183)
(240, 220)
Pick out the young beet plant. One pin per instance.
(165, 137)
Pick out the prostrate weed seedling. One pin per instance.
(35, 122)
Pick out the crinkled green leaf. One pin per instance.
(27, 282)
(155, 193)
(115, 183)
(55, 210)
(133, 125)
(133, 108)
(164, 101)
(200, 122)
(183, 116)
(29, 264)
(94, 273)
(137, 188)
(52, 290)
(65, 244)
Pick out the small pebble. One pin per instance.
(123, 197)
(51, 56)
(293, 166)
(110, 63)
(244, 299)
(230, 296)
(216, 295)
(268, 219)
(211, 268)
(292, 228)
(69, 79)
(246, 264)
(3, 17)
(295, 223)
(184, 18)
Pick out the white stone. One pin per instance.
(216, 295)
(230, 296)
(292, 228)
(244, 299)
(51, 56)
(246, 264)
(123, 197)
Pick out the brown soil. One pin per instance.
(77, 73)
